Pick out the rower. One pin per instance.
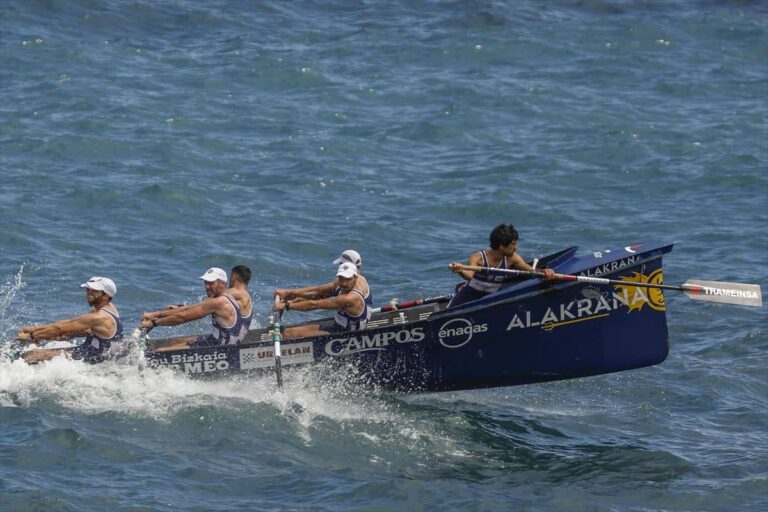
(329, 289)
(239, 277)
(502, 254)
(352, 310)
(225, 311)
(101, 327)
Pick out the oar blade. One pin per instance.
(728, 293)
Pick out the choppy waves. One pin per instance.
(149, 141)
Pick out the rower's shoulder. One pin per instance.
(352, 298)
(362, 284)
(476, 257)
(110, 308)
(242, 298)
(216, 302)
(238, 293)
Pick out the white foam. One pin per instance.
(308, 407)
(309, 398)
(13, 284)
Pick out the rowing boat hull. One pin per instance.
(528, 332)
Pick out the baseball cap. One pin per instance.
(347, 270)
(214, 274)
(350, 256)
(102, 284)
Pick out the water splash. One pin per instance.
(310, 405)
(12, 285)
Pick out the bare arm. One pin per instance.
(519, 263)
(168, 311)
(475, 260)
(82, 325)
(310, 292)
(181, 315)
(344, 302)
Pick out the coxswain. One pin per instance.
(503, 255)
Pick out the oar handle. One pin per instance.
(510, 271)
(277, 313)
(395, 306)
(277, 335)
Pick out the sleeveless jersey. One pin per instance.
(94, 345)
(485, 281)
(368, 298)
(347, 322)
(230, 335)
(246, 324)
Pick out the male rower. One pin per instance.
(328, 289)
(101, 327)
(503, 255)
(352, 311)
(226, 315)
(239, 277)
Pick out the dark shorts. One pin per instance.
(332, 327)
(90, 354)
(465, 294)
(207, 340)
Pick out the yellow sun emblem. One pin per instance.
(640, 296)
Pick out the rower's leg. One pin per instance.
(42, 354)
(177, 344)
(303, 331)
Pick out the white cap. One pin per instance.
(347, 270)
(350, 256)
(214, 274)
(102, 284)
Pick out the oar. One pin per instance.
(142, 341)
(395, 306)
(276, 328)
(142, 344)
(12, 349)
(714, 291)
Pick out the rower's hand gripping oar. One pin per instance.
(713, 291)
(277, 334)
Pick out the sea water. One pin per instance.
(148, 141)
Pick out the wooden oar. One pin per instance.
(277, 334)
(714, 291)
(395, 306)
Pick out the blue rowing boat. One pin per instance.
(529, 331)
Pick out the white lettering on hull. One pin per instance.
(200, 363)
(575, 310)
(367, 342)
(613, 266)
(458, 332)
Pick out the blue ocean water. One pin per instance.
(147, 141)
